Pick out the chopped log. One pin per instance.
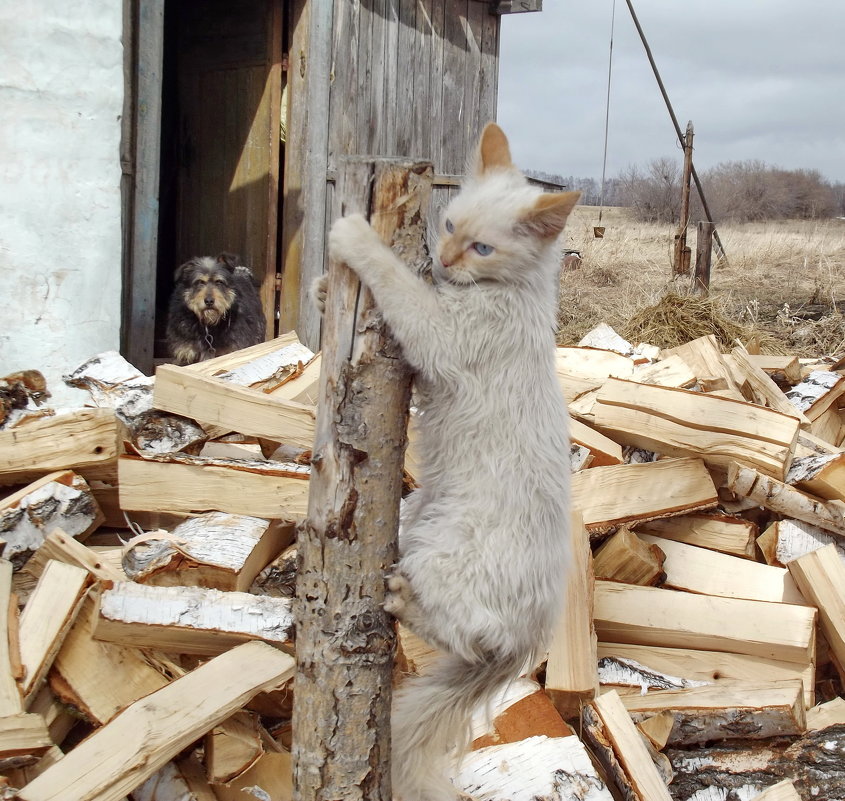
(184, 780)
(786, 500)
(644, 780)
(822, 476)
(100, 678)
(625, 557)
(658, 728)
(831, 713)
(231, 361)
(179, 483)
(827, 426)
(669, 421)
(696, 667)
(61, 499)
(817, 393)
(820, 576)
(83, 439)
(723, 533)
(580, 457)
(763, 390)
(603, 449)
(672, 371)
(23, 738)
(571, 676)
(140, 740)
(271, 774)
(704, 358)
(191, 620)
(524, 711)
(217, 550)
(271, 371)
(710, 573)
(349, 537)
(786, 366)
(63, 548)
(604, 337)
(551, 768)
(21, 393)
(592, 364)
(611, 496)
(57, 716)
(813, 763)
(223, 403)
(46, 620)
(11, 702)
(785, 540)
(703, 714)
(782, 791)
(232, 747)
(651, 616)
(621, 672)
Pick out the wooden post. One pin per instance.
(345, 642)
(703, 252)
(682, 252)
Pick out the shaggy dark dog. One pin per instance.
(214, 309)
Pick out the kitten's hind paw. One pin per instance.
(319, 291)
(398, 594)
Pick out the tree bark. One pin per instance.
(345, 641)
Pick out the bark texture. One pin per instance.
(345, 641)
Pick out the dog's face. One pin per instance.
(206, 286)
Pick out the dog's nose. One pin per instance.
(209, 302)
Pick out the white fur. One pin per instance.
(484, 541)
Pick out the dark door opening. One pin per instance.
(221, 155)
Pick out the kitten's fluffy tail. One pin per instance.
(432, 716)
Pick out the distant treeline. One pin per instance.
(736, 191)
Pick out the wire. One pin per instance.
(607, 111)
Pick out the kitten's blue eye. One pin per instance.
(450, 227)
(481, 249)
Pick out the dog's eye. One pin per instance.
(481, 249)
(450, 226)
(220, 282)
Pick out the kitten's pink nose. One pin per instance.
(445, 262)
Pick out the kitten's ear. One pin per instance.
(547, 217)
(493, 151)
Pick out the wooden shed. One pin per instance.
(236, 115)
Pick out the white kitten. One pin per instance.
(484, 541)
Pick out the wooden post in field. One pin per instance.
(682, 252)
(345, 641)
(703, 252)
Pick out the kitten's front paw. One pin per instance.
(319, 291)
(398, 595)
(350, 238)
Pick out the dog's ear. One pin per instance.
(183, 270)
(228, 260)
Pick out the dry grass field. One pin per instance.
(784, 280)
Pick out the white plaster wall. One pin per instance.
(61, 96)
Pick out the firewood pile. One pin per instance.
(149, 561)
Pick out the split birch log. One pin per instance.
(59, 500)
(144, 737)
(813, 763)
(822, 476)
(180, 483)
(705, 359)
(271, 774)
(344, 661)
(611, 496)
(669, 421)
(642, 777)
(11, 701)
(184, 780)
(817, 393)
(84, 439)
(710, 573)
(785, 540)
(650, 616)
(191, 620)
(232, 748)
(655, 667)
(46, 620)
(215, 550)
(627, 558)
(571, 676)
(723, 533)
(820, 576)
(702, 714)
(786, 366)
(603, 449)
(786, 500)
(551, 768)
(672, 371)
(782, 791)
(763, 390)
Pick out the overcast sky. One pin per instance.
(760, 79)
